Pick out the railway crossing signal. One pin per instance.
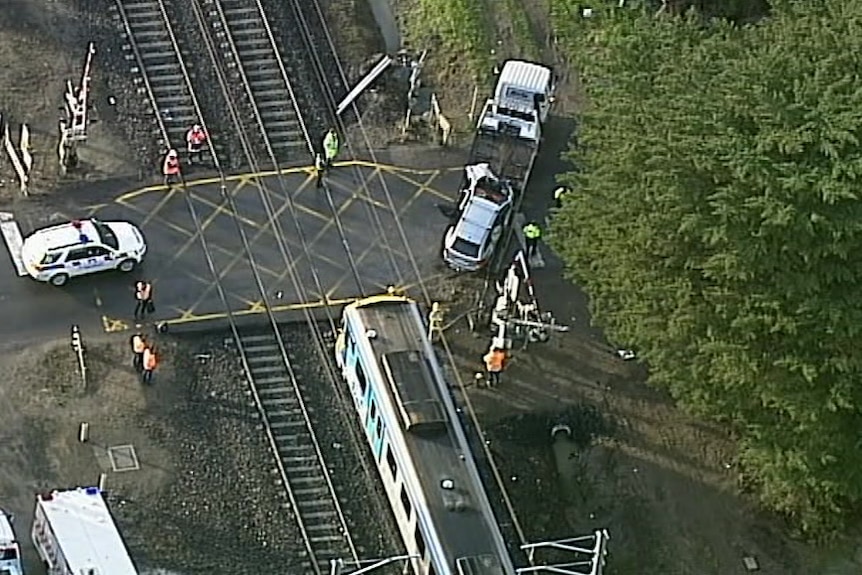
(78, 347)
(73, 125)
(516, 311)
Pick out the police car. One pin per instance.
(82, 247)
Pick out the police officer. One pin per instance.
(558, 196)
(171, 167)
(319, 169)
(532, 233)
(331, 146)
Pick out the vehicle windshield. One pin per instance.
(465, 248)
(106, 235)
(51, 258)
(8, 554)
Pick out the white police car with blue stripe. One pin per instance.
(82, 247)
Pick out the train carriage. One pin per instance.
(417, 440)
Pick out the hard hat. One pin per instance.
(172, 153)
(196, 127)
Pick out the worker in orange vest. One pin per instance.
(196, 138)
(150, 363)
(495, 363)
(139, 344)
(171, 167)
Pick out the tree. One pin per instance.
(715, 222)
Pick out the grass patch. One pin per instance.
(521, 28)
(458, 27)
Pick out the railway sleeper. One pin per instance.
(290, 443)
(326, 538)
(234, 22)
(267, 369)
(261, 83)
(257, 348)
(161, 68)
(315, 491)
(322, 527)
(154, 55)
(312, 503)
(253, 338)
(292, 459)
(305, 469)
(248, 41)
(283, 424)
(306, 480)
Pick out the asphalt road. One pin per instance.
(326, 246)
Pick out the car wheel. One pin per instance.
(127, 265)
(59, 279)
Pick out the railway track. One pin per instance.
(254, 59)
(164, 75)
(158, 56)
(287, 419)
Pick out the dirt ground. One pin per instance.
(42, 46)
(664, 484)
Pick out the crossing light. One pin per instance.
(77, 342)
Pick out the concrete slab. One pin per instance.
(372, 226)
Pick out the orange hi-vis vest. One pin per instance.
(150, 360)
(143, 291)
(196, 137)
(494, 360)
(138, 344)
(171, 167)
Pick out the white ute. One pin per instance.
(10, 552)
(82, 247)
(74, 534)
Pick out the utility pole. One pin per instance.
(73, 125)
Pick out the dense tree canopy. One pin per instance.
(716, 223)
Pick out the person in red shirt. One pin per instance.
(171, 168)
(196, 138)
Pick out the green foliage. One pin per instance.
(459, 25)
(716, 224)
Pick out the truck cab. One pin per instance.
(521, 102)
(10, 552)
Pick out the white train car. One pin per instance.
(417, 440)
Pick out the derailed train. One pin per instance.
(418, 441)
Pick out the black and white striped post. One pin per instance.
(78, 348)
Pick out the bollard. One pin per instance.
(103, 477)
(84, 433)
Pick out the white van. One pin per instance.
(10, 551)
(82, 247)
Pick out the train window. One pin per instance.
(379, 428)
(372, 414)
(405, 502)
(390, 459)
(420, 542)
(360, 376)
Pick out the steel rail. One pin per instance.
(148, 8)
(320, 560)
(487, 279)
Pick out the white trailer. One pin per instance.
(10, 551)
(74, 534)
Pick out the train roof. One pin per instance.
(455, 499)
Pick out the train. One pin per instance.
(417, 440)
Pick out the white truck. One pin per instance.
(508, 135)
(10, 551)
(74, 534)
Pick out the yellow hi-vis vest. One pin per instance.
(532, 232)
(330, 145)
